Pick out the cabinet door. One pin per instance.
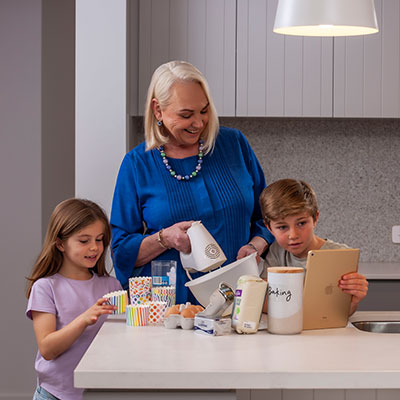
(280, 75)
(367, 68)
(199, 31)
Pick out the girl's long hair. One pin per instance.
(69, 217)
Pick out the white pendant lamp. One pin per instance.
(326, 17)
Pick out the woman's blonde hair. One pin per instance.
(69, 217)
(287, 197)
(160, 88)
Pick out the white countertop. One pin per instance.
(154, 357)
(380, 271)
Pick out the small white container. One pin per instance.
(249, 300)
(285, 300)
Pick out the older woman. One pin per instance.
(188, 169)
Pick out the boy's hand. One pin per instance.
(101, 307)
(356, 285)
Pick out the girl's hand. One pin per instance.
(101, 307)
(176, 237)
(356, 285)
(52, 342)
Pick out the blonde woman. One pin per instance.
(187, 169)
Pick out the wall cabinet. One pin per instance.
(367, 68)
(199, 31)
(280, 75)
(255, 72)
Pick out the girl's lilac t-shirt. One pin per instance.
(67, 298)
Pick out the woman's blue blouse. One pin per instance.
(224, 196)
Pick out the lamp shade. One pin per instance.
(326, 17)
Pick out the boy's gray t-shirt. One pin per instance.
(277, 256)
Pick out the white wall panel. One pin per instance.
(201, 32)
(257, 38)
(367, 69)
(275, 58)
(101, 98)
(372, 93)
(280, 75)
(390, 58)
(293, 67)
(178, 16)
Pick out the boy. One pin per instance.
(290, 212)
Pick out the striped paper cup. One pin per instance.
(119, 299)
(137, 315)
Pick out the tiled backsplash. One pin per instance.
(352, 164)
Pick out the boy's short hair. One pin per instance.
(287, 197)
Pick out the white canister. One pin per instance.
(285, 300)
(249, 300)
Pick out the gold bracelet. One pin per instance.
(160, 240)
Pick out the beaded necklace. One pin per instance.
(183, 177)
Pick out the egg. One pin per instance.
(172, 310)
(188, 313)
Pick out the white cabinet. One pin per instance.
(367, 69)
(255, 72)
(199, 31)
(280, 75)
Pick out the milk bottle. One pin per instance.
(249, 300)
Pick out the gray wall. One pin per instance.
(36, 162)
(352, 164)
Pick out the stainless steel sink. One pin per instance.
(378, 326)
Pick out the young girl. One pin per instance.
(65, 293)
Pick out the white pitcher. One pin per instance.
(205, 254)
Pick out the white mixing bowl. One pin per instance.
(205, 285)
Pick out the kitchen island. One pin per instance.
(155, 362)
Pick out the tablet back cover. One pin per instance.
(325, 305)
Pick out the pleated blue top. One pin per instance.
(224, 196)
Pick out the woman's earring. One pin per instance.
(159, 123)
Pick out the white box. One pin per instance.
(212, 326)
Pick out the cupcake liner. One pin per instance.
(156, 312)
(164, 294)
(140, 289)
(137, 315)
(119, 299)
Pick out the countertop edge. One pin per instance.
(380, 270)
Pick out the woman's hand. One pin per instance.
(246, 250)
(257, 244)
(176, 237)
(356, 285)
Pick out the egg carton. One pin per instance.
(175, 321)
(179, 320)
